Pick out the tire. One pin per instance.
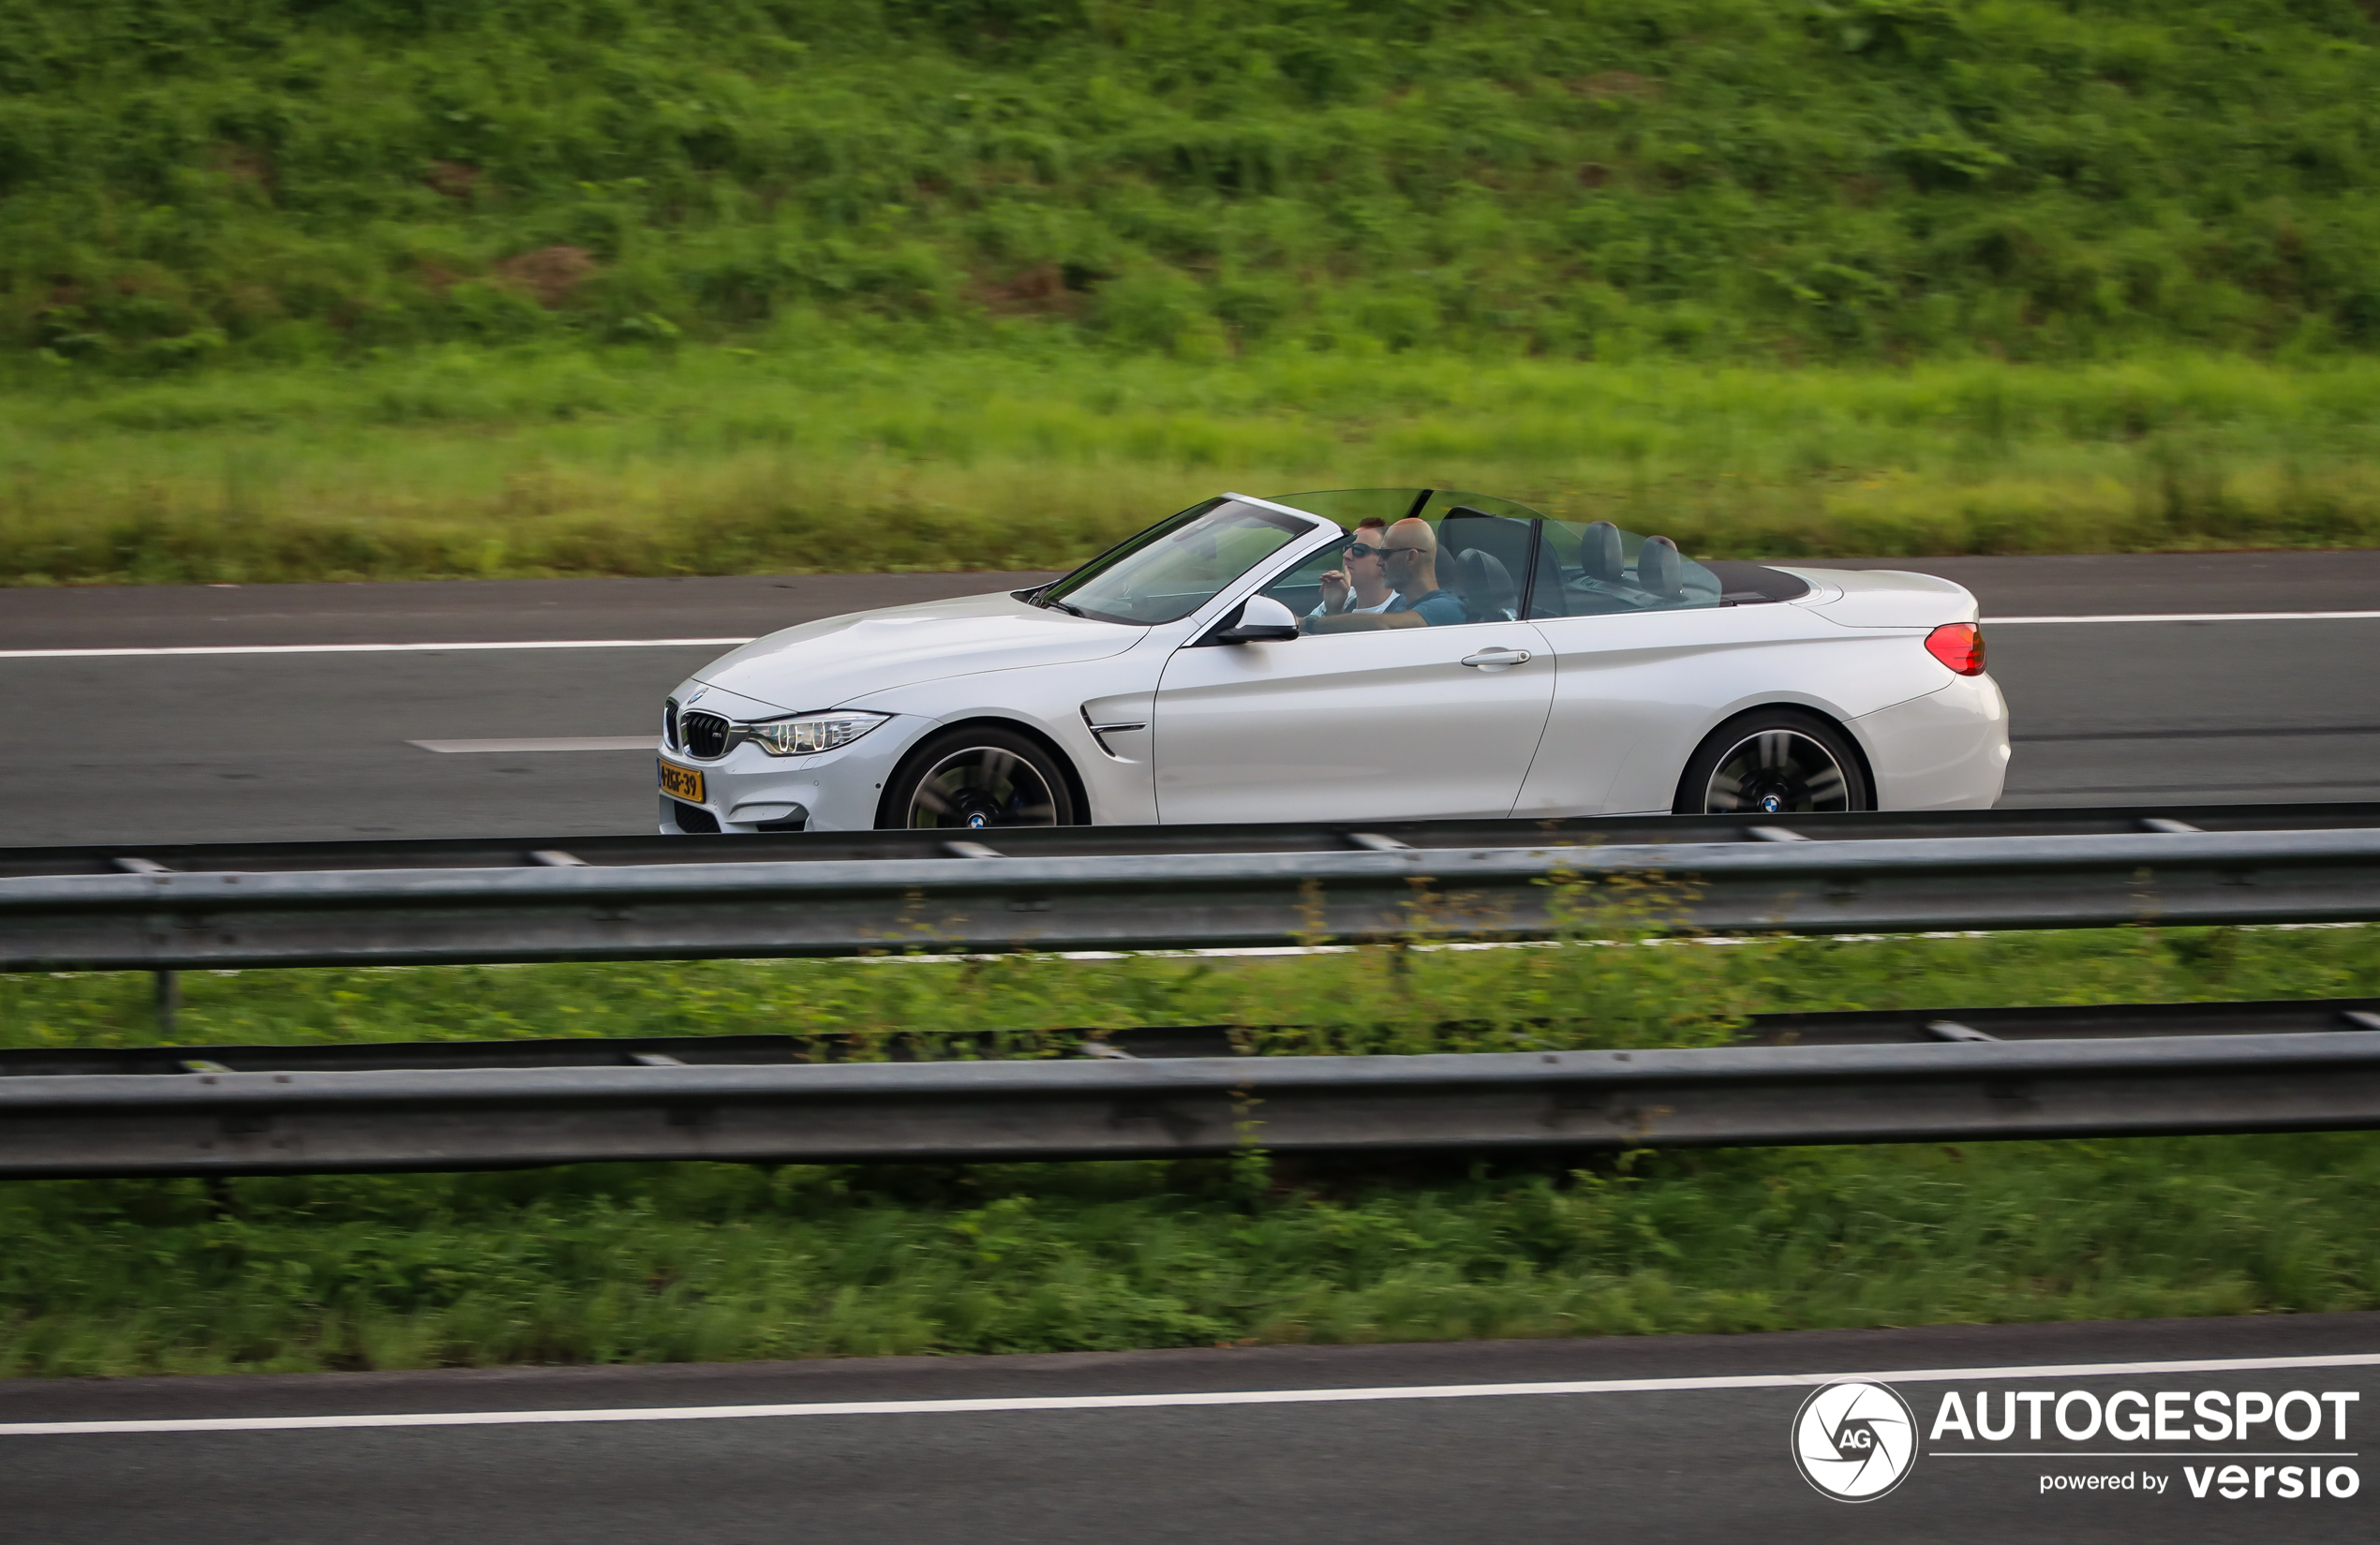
(1775, 762)
(977, 778)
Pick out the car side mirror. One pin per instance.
(1261, 619)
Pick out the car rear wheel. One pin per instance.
(978, 778)
(1774, 762)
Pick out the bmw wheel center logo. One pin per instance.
(1855, 1441)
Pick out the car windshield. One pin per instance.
(1176, 566)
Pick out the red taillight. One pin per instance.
(1959, 645)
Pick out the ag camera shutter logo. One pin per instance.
(1855, 1441)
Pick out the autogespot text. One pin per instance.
(2224, 1445)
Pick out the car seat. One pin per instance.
(1600, 555)
(1489, 589)
(1486, 585)
(1660, 568)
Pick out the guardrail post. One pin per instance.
(169, 999)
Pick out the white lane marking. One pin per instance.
(1230, 1397)
(2191, 616)
(372, 648)
(726, 643)
(550, 743)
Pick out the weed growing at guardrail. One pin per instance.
(1432, 990)
(1595, 990)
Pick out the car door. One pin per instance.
(1398, 723)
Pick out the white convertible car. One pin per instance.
(1357, 655)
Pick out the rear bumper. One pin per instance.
(1947, 751)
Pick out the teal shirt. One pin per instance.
(1438, 608)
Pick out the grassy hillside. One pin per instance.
(184, 179)
(477, 463)
(383, 288)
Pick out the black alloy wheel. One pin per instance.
(976, 779)
(1774, 762)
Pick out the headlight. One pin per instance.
(807, 735)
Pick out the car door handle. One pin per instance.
(1488, 659)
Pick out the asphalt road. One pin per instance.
(237, 746)
(300, 745)
(1671, 1459)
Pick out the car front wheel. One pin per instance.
(978, 778)
(1774, 762)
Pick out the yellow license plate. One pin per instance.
(682, 783)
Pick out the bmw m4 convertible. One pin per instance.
(1360, 654)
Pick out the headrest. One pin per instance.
(1659, 568)
(1600, 552)
(1487, 584)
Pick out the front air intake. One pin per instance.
(669, 722)
(705, 734)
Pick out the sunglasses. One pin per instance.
(1361, 549)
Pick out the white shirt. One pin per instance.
(1324, 609)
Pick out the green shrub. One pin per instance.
(183, 180)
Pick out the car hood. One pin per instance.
(826, 663)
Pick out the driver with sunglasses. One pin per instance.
(1408, 560)
(1362, 585)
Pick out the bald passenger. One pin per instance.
(1409, 561)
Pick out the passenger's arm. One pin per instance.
(1362, 622)
(1345, 622)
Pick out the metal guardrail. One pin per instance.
(257, 1123)
(1110, 841)
(165, 919)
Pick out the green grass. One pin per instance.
(183, 181)
(557, 461)
(383, 288)
(642, 1263)
(627, 1264)
(1372, 999)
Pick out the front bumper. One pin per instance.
(748, 788)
